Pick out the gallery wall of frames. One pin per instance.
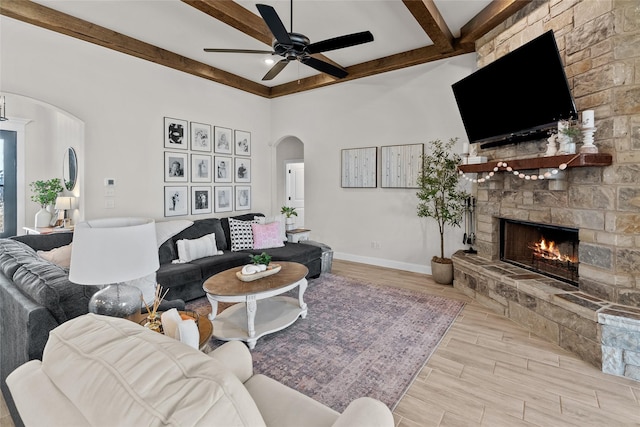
(206, 168)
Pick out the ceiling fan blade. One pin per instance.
(275, 70)
(237, 51)
(340, 42)
(274, 23)
(324, 67)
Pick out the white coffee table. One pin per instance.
(260, 308)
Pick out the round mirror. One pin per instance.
(70, 168)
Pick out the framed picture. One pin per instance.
(200, 200)
(176, 133)
(223, 197)
(242, 169)
(176, 201)
(222, 141)
(243, 197)
(359, 167)
(200, 137)
(223, 169)
(243, 143)
(175, 167)
(401, 165)
(200, 168)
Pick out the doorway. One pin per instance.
(8, 183)
(294, 190)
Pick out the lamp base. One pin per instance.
(117, 300)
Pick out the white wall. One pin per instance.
(413, 105)
(122, 101)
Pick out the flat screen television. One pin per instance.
(518, 97)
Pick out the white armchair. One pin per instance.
(104, 371)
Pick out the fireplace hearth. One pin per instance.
(543, 248)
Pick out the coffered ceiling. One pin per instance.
(174, 33)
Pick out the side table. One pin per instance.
(297, 235)
(205, 328)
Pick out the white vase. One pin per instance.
(289, 223)
(43, 218)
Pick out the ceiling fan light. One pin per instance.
(269, 61)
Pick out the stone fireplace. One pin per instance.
(599, 319)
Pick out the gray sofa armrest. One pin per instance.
(365, 412)
(24, 331)
(236, 357)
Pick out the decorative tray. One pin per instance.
(272, 269)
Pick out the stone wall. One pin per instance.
(599, 41)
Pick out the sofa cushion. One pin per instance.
(45, 242)
(190, 249)
(266, 236)
(13, 254)
(168, 251)
(174, 275)
(241, 234)
(60, 256)
(182, 386)
(213, 265)
(294, 252)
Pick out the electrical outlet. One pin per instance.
(375, 244)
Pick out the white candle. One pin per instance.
(587, 119)
(465, 148)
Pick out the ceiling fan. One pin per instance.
(294, 46)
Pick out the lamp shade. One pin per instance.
(64, 203)
(113, 250)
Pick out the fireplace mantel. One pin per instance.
(572, 161)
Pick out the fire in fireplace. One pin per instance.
(543, 248)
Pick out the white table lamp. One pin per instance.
(111, 251)
(64, 204)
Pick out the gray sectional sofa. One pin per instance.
(36, 295)
(185, 280)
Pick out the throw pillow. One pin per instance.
(60, 256)
(241, 234)
(167, 229)
(276, 218)
(266, 236)
(188, 250)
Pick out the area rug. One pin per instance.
(358, 339)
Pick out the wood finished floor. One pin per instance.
(488, 371)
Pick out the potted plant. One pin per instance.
(288, 213)
(441, 199)
(45, 194)
(262, 259)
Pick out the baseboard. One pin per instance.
(415, 268)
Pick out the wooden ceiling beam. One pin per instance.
(51, 19)
(236, 16)
(377, 66)
(491, 16)
(429, 18)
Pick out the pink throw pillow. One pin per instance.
(266, 236)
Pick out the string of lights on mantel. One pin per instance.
(504, 167)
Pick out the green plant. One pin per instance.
(45, 192)
(438, 194)
(288, 211)
(263, 258)
(572, 130)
